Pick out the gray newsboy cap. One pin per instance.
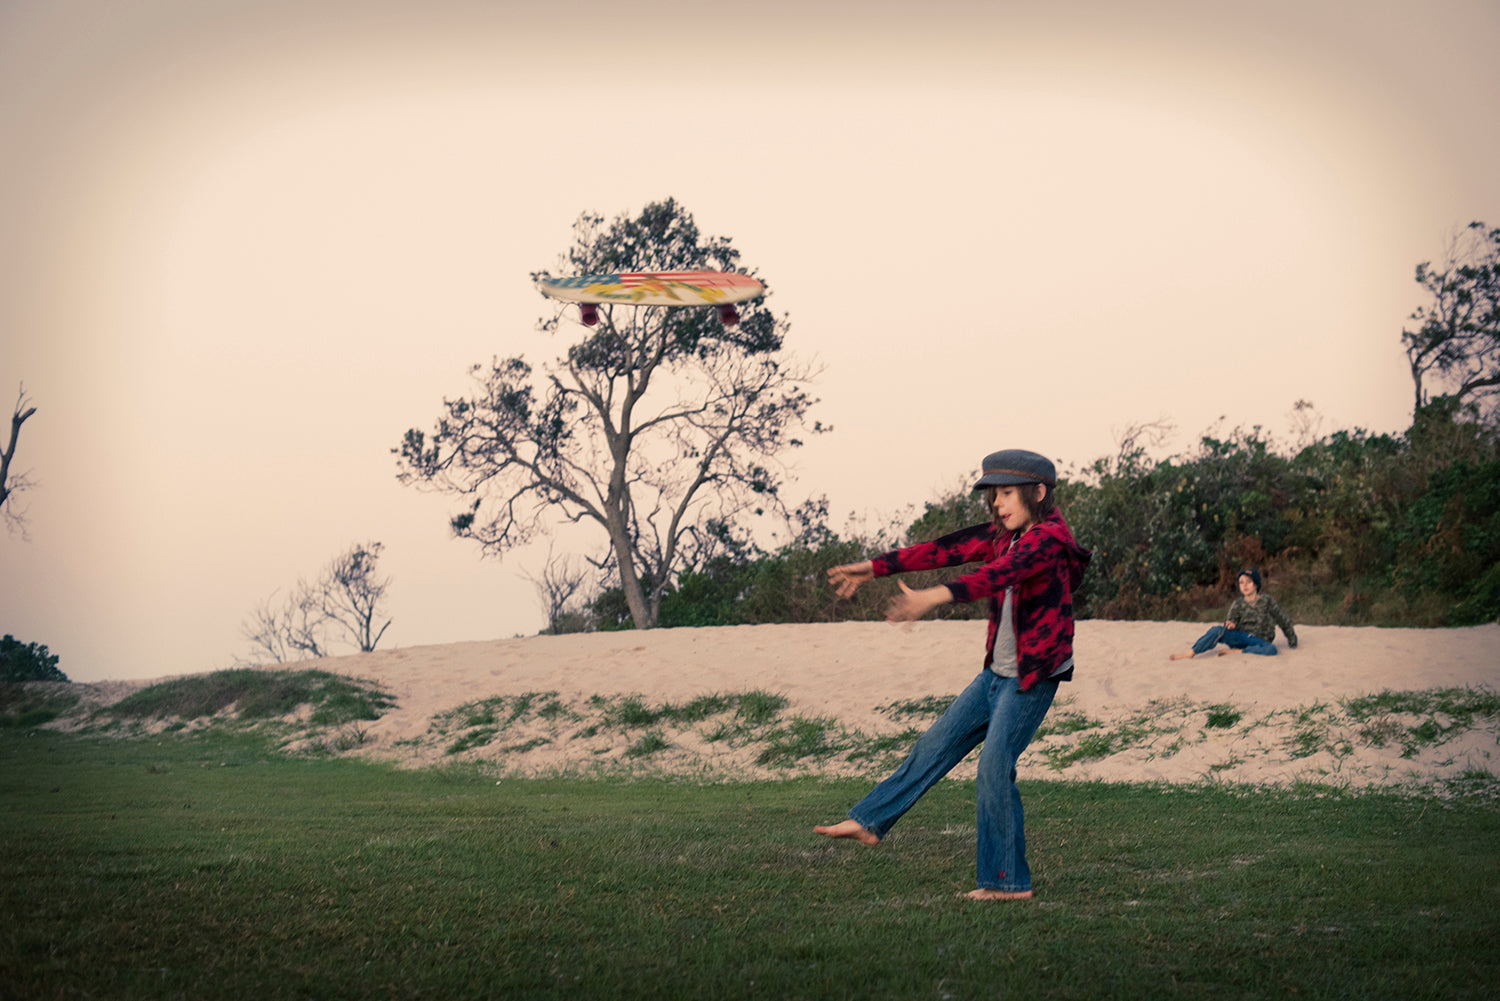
(1015, 466)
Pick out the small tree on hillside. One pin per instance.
(352, 595)
(654, 425)
(1457, 338)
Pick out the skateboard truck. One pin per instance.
(589, 313)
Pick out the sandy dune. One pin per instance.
(1151, 714)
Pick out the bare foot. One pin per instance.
(984, 894)
(848, 829)
(1183, 656)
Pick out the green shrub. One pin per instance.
(27, 662)
(1451, 542)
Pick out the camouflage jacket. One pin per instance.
(1261, 619)
(1044, 566)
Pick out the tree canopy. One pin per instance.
(661, 426)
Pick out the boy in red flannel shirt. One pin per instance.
(1031, 567)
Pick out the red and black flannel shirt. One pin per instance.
(1045, 567)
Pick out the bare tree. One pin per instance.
(12, 484)
(1457, 339)
(346, 601)
(657, 424)
(1306, 423)
(1134, 441)
(557, 586)
(266, 632)
(289, 629)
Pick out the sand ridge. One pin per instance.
(1290, 726)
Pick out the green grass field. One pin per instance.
(205, 865)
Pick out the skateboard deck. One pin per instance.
(655, 288)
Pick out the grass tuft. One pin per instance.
(1064, 723)
(1462, 704)
(1223, 716)
(804, 737)
(930, 706)
(648, 744)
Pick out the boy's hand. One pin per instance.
(909, 605)
(847, 579)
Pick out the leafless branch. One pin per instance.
(14, 484)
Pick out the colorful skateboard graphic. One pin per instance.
(655, 288)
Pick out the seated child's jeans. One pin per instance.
(1233, 638)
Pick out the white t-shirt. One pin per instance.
(1004, 663)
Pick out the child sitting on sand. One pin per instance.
(1250, 626)
(1031, 568)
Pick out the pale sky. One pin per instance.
(248, 244)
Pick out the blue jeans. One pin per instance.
(992, 711)
(1248, 642)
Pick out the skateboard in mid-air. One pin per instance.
(655, 288)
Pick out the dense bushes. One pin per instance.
(27, 662)
(750, 586)
(1450, 544)
(1353, 528)
(746, 585)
